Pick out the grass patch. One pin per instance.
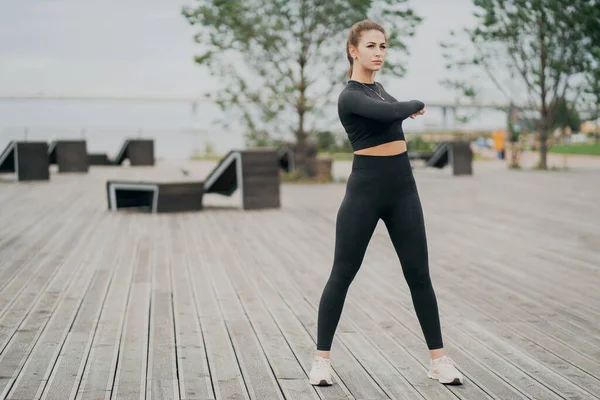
(477, 156)
(337, 156)
(589, 149)
(206, 157)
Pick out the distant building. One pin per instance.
(589, 127)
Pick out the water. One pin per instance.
(178, 130)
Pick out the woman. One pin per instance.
(381, 186)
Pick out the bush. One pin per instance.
(418, 144)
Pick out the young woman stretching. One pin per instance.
(381, 186)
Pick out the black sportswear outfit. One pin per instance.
(379, 187)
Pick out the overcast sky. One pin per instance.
(131, 47)
(146, 48)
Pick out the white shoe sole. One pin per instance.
(322, 382)
(456, 381)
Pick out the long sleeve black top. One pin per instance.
(371, 116)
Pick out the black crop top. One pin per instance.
(369, 120)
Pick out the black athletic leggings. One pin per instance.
(380, 187)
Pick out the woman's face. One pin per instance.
(371, 50)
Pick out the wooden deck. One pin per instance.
(222, 304)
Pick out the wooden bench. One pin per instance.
(290, 158)
(457, 154)
(69, 155)
(98, 159)
(139, 152)
(156, 197)
(27, 160)
(255, 172)
(285, 156)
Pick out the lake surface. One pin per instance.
(177, 129)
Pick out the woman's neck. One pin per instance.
(361, 75)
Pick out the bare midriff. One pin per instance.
(385, 149)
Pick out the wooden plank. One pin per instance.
(21, 295)
(359, 324)
(263, 190)
(500, 287)
(264, 170)
(254, 366)
(538, 327)
(20, 345)
(279, 355)
(540, 306)
(99, 371)
(253, 274)
(498, 377)
(29, 235)
(192, 363)
(264, 157)
(414, 345)
(479, 360)
(258, 203)
(131, 373)
(41, 361)
(17, 222)
(387, 375)
(565, 391)
(574, 374)
(225, 372)
(162, 359)
(21, 225)
(293, 331)
(532, 367)
(68, 370)
(549, 284)
(590, 364)
(358, 382)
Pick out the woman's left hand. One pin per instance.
(420, 112)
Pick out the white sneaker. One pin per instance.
(320, 373)
(444, 370)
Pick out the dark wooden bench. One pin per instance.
(457, 154)
(285, 156)
(27, 160)
(255, 172)
(156, 197)
(139, 152)
(289, 158)
(98, 159)
(69, 155)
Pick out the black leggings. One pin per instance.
(380, 187)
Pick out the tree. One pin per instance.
(564, 115)
(591, 27)
(532, 50)
(326, 141)
(593, 98)
(279, 61)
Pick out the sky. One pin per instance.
(146, 48)
(96, 47)
(135, 47)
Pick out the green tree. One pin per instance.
(279, 61)
(533, 51)
(591, 27)
(592, 100)
(326, 141)
(564, 114)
